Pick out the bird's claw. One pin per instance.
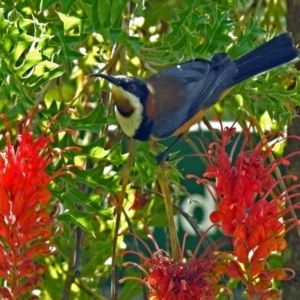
(162, 156)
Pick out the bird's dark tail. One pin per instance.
(276, 52)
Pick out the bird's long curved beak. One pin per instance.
(109, 78)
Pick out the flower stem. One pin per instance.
(119, 207)
(163, 181)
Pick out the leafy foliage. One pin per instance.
(49, 48)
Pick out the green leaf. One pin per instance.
(132, 43)
(3, 22)
(114, 34)
(70, 22)
(95, 150)
(94, 178)
(117, 7)
(4, 68)
(89, 201)
(10, 41)
(103, 10)
(80, 218)
(116, 156)
(44, 4)
(105, 32)
(88, 10)
(93, 122)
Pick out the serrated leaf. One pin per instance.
(80, 218)
(45, 67)
(105, 32)
(93, 122)
(3, 22)
(103, 10)
(95, 150)
(88, 10)
(134, 43)
(70, 22)
(46, 3)
(14, 111)
(90, 202)
(122, 38)
(116, 156)
(94, 178)
(10, 42)
(114, 34)
(23, 23)
(116, 10)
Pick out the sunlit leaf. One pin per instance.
(69, 22)
(80, 218)
(92, 122)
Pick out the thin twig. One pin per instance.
(212, 130)
(78, 251)
(119, 209)
(113, 59)
(163, 181)
(125, 181)
(70, 276)
(136, 247)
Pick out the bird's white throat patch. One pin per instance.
(131, 123)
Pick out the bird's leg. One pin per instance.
(164, 155)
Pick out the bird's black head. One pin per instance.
(131, 85)
(130, 96)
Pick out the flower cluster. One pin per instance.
(190, 278)
(27, 220)
(244, 211)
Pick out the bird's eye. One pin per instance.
(131, 88)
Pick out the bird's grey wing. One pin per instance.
(187, 88)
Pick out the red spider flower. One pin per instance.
(242, 188)
(191, 278)
(27, 220)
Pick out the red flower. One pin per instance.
(242, 187)
(191, 278)
(27, 219)
(140, 201)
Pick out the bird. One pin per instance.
(169, 102)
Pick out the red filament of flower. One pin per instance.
(25, 215)
(242, 186)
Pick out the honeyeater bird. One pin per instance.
(169, 102)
